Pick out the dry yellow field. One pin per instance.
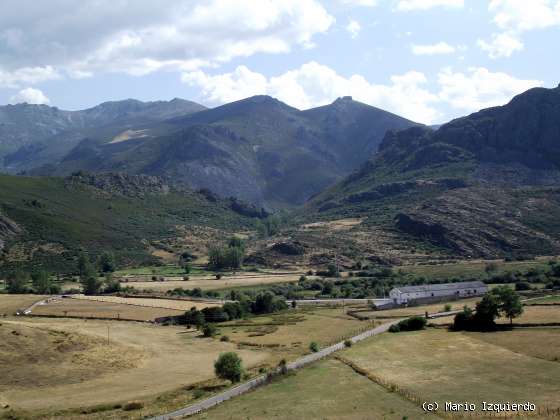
(9, 304)
(437, 365)
(165, 359)
(179, 305)
(213, 284)
(537, 314)
(98, 309)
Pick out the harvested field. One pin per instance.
(325, 390)
(171, 357)
(214, 284)
(179, 305)
(536, 315)
(9, 304)
(98, 309)
(437, 365)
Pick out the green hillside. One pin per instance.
(56, 218)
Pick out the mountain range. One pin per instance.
(257, 149)
(485, 185)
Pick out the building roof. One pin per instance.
(440, 287)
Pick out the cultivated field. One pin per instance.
(437, 365)
(140, 361)
(325, 390)
(99, 309)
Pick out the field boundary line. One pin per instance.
(264, 379)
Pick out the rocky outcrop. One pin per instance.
(8, 229)
(121, 184)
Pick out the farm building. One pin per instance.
(405, 294)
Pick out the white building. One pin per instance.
(404, 294)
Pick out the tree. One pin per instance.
(509, 302)
(83, 263)
(107, 262)
(17, 282)
(209, 330)
(487, 310)
(112, 285)
(89, 280)
(42, 283)
(229, 366)
(314, 347)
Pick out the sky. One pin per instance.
(427, 60)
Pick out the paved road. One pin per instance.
(261, 380)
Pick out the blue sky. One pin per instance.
(428, 60)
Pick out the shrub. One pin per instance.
(218, 276)
(522, 285)
(394, 328)
(186, 278)
(314, 347)
(224, 338)
(347, 343)
(133, 405)
(209, 330)
(229, 366)
(447, 307)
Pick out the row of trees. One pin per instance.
(227, 257)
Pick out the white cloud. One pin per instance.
(514, 17)
(353, 28)
(479, 88)
(501, 45)
(30, 96)
(365, 3)
(142, 36)
(408, 5)
(27, 75)
(433, 49)
(314, 84)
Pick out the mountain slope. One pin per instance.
(485, 185)
(46, 221)
(258, 149)
(31, 135)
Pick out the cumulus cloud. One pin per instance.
(26, 76)
(433, 49)
(366, 3)
(513, 18)
(479, 88)
(314, 84)
(29, 95)
(142, 36)
(353, 28)
(408, 5)
(501, 45)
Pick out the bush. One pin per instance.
(348, 343)
(133, 405)
(224, 338)
(186, 278)
(394, 328)
(218, 276)
(414, 323)
(209, 330)
(522, 285)
(447, 307)
(229, 366)
(314, 347)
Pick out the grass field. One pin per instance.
(289, 334)
(537, 314)
(179, 305)
(326, 390)
(437, 365)
(546, 299)
(171, 358)
(543, 343)
(92, 309)
(214, 284)
(9, 304)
